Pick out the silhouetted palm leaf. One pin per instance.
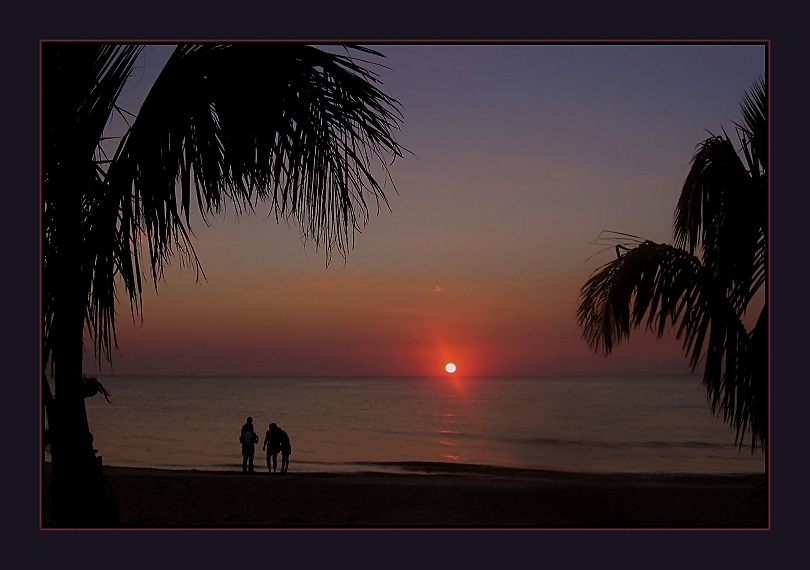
(651, 279)
(79, 95)
(723, 204)
(755, 125)
(235, 124)
(722, 211)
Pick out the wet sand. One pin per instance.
(432, 496)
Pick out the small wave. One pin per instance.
(686, 444)
(566, 442)
(624, 444)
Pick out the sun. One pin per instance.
(450, 367)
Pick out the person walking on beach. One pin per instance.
(248, 438)
(286, 449)
(273, 445)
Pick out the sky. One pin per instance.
(521, 156)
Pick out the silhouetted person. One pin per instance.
(286, 449)
(273, 445)
(248, 438)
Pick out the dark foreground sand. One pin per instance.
(444, 497)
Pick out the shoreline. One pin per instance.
(439, 495)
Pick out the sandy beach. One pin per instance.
(437, 496)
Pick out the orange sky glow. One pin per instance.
(522, 155)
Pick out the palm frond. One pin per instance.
(754, 108)
(307, 132)
(285, 123)
(651, 279)
(723, 204)
(667, 286)
(720, 211)
(81, 83)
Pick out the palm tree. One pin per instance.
(722, 213)
(284, 124)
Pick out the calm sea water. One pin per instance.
(602, 424)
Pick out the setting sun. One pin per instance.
(450, 367)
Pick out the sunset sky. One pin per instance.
(521, 155)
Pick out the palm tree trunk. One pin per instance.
(78, 492)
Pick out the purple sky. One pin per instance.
(523, 154)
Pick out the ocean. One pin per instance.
(590, 424)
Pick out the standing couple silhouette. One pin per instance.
(276, 441)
